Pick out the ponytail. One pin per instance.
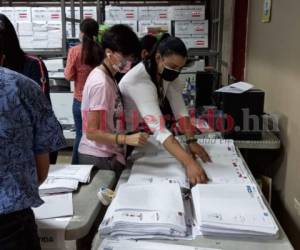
(150, 62)
(91, 53)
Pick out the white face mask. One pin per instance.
(122, 67)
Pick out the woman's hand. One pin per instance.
(196, 173)
(138, 139)
(197, 150)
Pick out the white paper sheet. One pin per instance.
(238, 88)
(53, 185)
(58, 205)
(76, 172)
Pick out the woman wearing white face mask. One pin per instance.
(144, 90)
(104, 138)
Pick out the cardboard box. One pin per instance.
(90, 12)
(22, 14)
(55, 31)
(54, 14)
(132, 24)
(144, 25)
(77, 12)
(191, 28)
(25, 28)
(26, 42)
(187, 13)
(40, 44)
(39, 14)
(117, 13)
(194, 67)
(153, 13)
(9, 12)
(39, 26)
(40, 35)
(69, 30)
(54, 44)
(196, 42)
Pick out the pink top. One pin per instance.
(77, 71)
(100, 94)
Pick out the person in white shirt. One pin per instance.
(144, 89)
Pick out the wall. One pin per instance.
(272, 64)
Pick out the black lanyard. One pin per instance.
(116, 84)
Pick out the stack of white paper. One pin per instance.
(234, 173)
(59, 205)
(53, 185)
(158, 169)
(80, 173)
(144, 245)
(235, 210)
(146, 211)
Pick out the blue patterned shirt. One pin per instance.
(28, 127)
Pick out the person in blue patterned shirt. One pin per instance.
(29, 131)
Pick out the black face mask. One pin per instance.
(169, 74)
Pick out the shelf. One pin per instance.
(45, 52)
(202, 52)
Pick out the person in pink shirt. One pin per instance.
(104, 139)
(82, 59)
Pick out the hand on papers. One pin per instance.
(196, 173)
(138, 139)
(197, 150)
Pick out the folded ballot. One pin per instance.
(55, 185)
(146, 211)
(80, 173)
(144, 245)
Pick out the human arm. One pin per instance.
(146, 100)
(70, 69)
(42, 166)
(181, 115)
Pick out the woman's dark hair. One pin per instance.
(121, 38)
(14, 55)
(148, 42)
(92, 52)
(166, 46)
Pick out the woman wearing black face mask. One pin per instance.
(144, 90)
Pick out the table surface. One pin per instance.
(87, 205)
(281, 243)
